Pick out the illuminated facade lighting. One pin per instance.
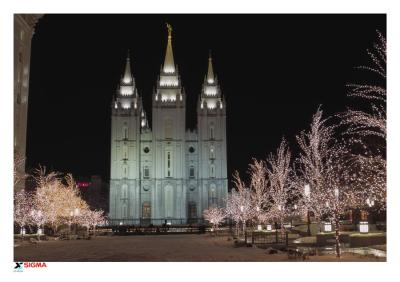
(169, 81)
(126, 105)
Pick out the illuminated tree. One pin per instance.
(324, 173)
(60, 203)
(37, 218)
(259, 191)
(215, 216)
(367, 131)
(22, 208)
(373, 123)
(238, 204)
(91, 219)
(280, 183)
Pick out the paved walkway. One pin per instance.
(148, 248)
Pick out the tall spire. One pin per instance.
(210, 72)
(169, 65)
(127, 78)
(127, 84)
(211, 97)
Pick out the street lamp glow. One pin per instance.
(364, 227)
(327, 227)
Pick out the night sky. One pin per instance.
(274, 70)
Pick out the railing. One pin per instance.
(155, 221)
(151, 230)
(266, 237)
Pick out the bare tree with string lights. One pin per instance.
(215, 216)
(323, 172)
(259, 191)
(366, 131)
(238, 203)
(373, 123)
(22, 209)
(279, 173)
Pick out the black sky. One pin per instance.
(274, 70)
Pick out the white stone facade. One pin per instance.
(24, 25)
(167, 173)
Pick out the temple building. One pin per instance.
(165, 173)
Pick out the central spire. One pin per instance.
(127, 78)
(210, 72)
(169, 65)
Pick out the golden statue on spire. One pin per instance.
(169, 27)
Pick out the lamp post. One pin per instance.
(327, 227)
(364, 225)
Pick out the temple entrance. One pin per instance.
(146, 214)
(192, 212)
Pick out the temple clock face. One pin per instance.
(146, 150)
(191, 150)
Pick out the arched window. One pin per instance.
(212, 152)
(124, 191)
(125, 152)
(125, 132)
(168, 163)
(168, 203)
(125, 171)
(212, 170)
(212, 132)
(168, 129)
(146, 172)
(212, 195)
(191, 171)
(124, 211)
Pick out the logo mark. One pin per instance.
(19, 267)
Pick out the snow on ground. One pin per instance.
(154, 248)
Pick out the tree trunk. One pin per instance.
(21, 232)
(54, 227)
(38, 227)
(237, 230)
(308, 223)
(337, 237)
